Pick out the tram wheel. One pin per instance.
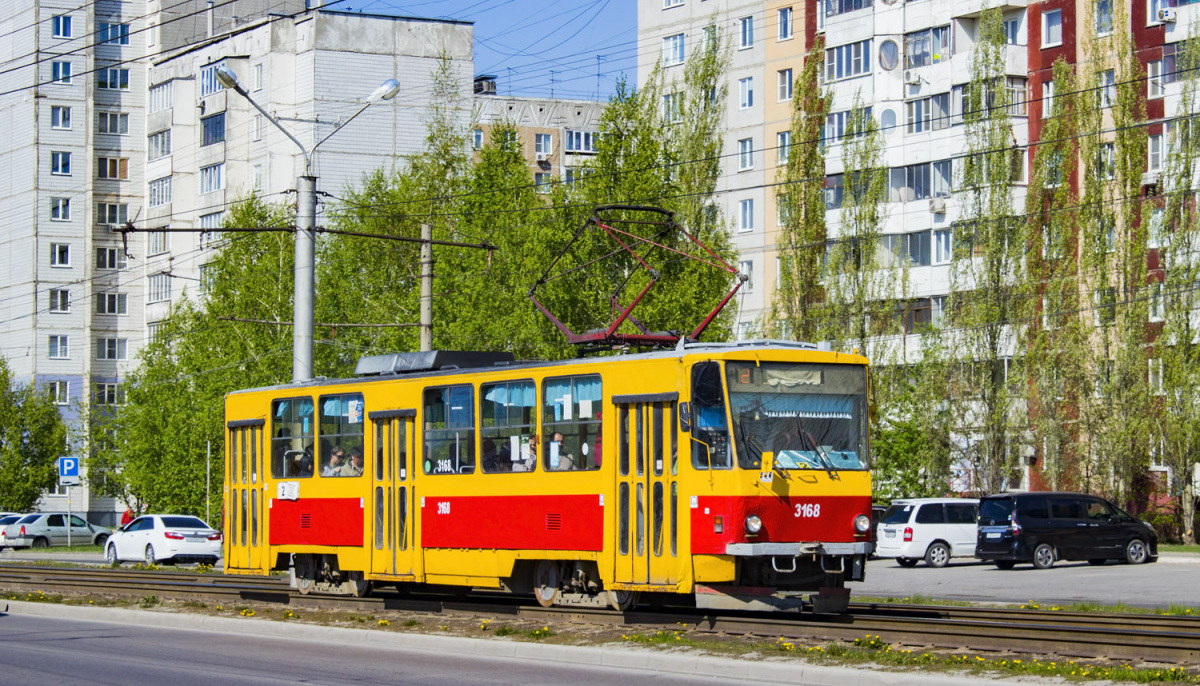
(545, 583)
(358, 586)
(305, 572)
(623, 601)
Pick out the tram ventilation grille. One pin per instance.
(305, 521)
(553, 522)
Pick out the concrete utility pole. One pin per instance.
(306, 216)
(426, 287)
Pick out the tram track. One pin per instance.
(1137, 638)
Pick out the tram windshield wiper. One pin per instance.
(829, 468)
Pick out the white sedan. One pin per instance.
(164, 539)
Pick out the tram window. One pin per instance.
(674, 523)
(402, 449)
(639, 452)
(292, 438)
(245, 456)
(710, 432)
(639, 531)
(379, 523)
(674, 433)
(255, 435)
(341, 435)
(449, 418)
(402, 518)
(623, 518)
(380, 447)
(244, 517)
(657, 428)
(390, 536)
(233, 514)
(509, 422)
(254, 517)
(623, 440)
(657, 502)
(234, 437)
(571, 423)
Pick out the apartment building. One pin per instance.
(558, 136)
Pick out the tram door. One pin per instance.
(244, 523)
(647, 492)
(394, 551)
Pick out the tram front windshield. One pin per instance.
(811, 416)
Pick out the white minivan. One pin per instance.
(935, 529)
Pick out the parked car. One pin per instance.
(933, 529)
(5, 520)
(1045, 527)
(165, 539)
(44, 529)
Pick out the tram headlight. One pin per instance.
(753, 524)
(862, 524)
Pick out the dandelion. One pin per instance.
(384, 622)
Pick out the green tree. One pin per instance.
(32, 438)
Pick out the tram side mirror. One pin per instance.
(685, 417)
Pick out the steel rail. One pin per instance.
(1168, 639)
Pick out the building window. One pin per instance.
(673, 108)
(921, 181)
(60, 26)
(158, 145)
(834, 192)
(784, 77)
(112, 214)
(160, 288)
(110, 258)
(112, 122)
(783, 146)
(1154, 81)
(60, 163)
(836, 7)
(1106, 161)
(746, 269)
(59, 392)
(1104, 17)
(157, 243)
(207, 275)
(746, 92)
(60, 117)
(60, 255)
(160, 97)
(667, 4)
(1051, 28)
(746, 33)
(1154, 376)
(1107, 88)
(258, 77)
(59, 348)
(160, 191)
(943, 246)
(543, 143)
(745, 154)
(582, 141)
(112, 34)
(1154, 152)
(212, 221)
(208, 80)
(1012, 31)
(784, 23)
(212, 129)
(60, 209)
(110, 348)
(477, 139)
(1105, 300)
(212, 178)
(1156, 302)
(152, 331)
(1153, 8)
(60, 300)
(109, 394)
(111, 303)
(848, 61)
(112, 168)
(922, 48)
(838, 123)
(541, 182)
(112, 79)
(746, 215)
(1047, 98)
(673, 50)
(60, 72)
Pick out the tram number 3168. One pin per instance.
(444, 507)
(808, 509)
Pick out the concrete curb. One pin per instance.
(781, 671)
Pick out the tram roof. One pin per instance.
(440, 363)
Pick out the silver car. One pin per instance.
(5, 520)
(165, 539)
(44, 529)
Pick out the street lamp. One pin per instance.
(306, 217)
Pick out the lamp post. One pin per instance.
(306, 217)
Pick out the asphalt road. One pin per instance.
(63, 652)
(1173, 580)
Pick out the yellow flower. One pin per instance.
(384, 622)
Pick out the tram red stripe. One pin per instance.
(833, 522)
(540, 522)
(317, 521)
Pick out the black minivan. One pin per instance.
(1044, 527)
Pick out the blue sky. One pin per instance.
(533, 47)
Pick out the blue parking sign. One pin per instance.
(68, 470)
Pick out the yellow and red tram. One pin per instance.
(734, 473)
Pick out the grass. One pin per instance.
(1177, 548)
